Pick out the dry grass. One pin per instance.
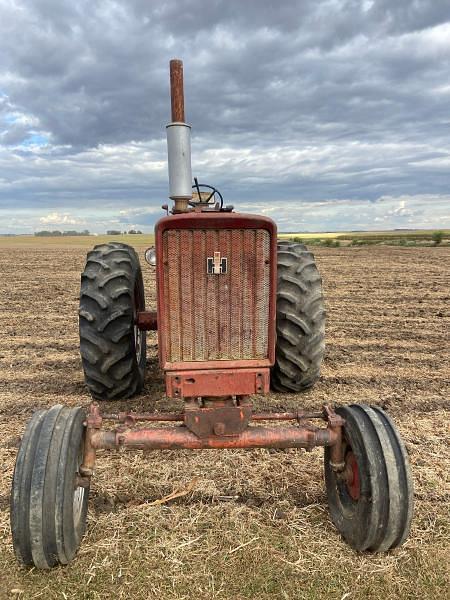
(79, 241)
(254, 523)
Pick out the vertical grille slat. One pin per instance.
(224, 299)
(248, 274)
(235, 268)
(211, 309)
(210, 316)
(186, 295)
(262, 290)
(199, 293)
(174, 298)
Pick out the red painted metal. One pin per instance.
(218, 421)
(352, 476)
(213, 424)
(216, 221)
(146, 320)
(335, 423)
(298, 415)
(216, 316)
(218, 364)
(130, 418)
(166, 438)
(93, 424)
(194, 383)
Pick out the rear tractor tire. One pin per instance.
(300, 344)
(113, 349)
(371, 500)
(287, 243)
(48, 507)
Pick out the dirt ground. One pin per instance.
(255, 524)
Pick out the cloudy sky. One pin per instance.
(325, 115)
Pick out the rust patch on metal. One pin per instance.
(166, 438)
(351, 476)
(147, 320)
(177, 90)
(131, 418)
(211, 382)
(217, 423)
(221, 421)
(93, 424)
(335, 425)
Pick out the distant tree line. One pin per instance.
(117, 232)
(57, 233)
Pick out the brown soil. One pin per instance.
(256, 523)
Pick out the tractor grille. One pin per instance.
(216, 316)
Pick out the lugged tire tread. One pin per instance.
(300, 320)
(106, 322)
(98, 261)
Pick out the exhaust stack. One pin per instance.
(178, 143)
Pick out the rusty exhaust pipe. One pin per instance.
(178, 143)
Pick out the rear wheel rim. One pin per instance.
(138, 334)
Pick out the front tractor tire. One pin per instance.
(113, 349)
(300, 344)
(48, 503)
(371, 499)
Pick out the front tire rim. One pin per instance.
(138, 334)
(78, 494)
(348, 483)
(352, 476)
(78, 500)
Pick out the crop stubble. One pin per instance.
(256, 523)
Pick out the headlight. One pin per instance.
(150, 256)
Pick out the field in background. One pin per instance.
(255, 524)
(75, 241)
(356, 238)
(420, 237)
(345, 235)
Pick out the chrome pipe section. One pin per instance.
(179, 159)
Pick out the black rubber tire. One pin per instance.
(300, 344)
(290, 242)
(20, 491)
(47, 524)
(377, 518)
(113, 350)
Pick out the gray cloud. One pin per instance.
(311, 101)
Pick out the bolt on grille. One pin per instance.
(218, 316)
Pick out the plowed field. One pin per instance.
(254, 523)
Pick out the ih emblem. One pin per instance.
(216, 265)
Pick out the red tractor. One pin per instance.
(238, 312)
